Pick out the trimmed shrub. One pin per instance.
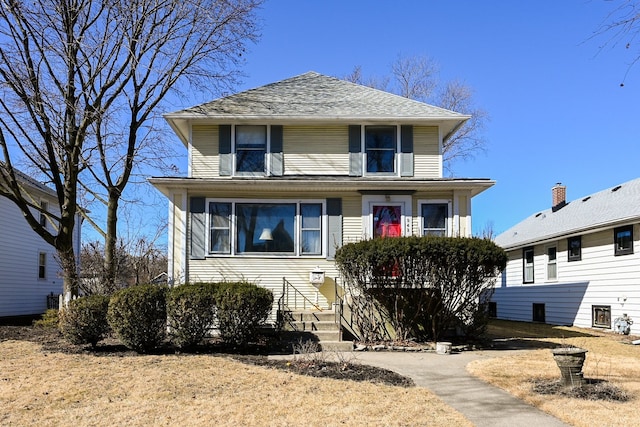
(138, 316)
(190, 313)
(84, 320)
(420, 287)
(48, 320)
(241, 308)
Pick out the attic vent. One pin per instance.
(586, 198)
(616, 188)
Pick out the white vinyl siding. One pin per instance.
(204, 152)
(21, 291)
(318, 150)
(599, 278)
(426, 152)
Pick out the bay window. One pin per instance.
(273, 227)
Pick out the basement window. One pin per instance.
(601, 316)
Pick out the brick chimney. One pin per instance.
(558, 196)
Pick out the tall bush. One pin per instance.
(241, 307)
(84, 320)
(420, 286)
(190, 313)
(138, 316)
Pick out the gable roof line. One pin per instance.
(617, 205)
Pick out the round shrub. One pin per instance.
(190, 313)
(84, 320)
(138, 316)
(241, 307)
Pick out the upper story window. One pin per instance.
(287, 228)
(43, 216)
(527, 264)
(574, 248)
(251, 148)
(435, 219)
(380, 148)
(623, 240)
(552, 263)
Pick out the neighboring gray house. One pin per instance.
(577, 263)
(281, 175)
(29, 270)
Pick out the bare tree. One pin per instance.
(621, 27)
(80, 82)
(417, 78)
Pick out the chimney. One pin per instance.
(558, 196)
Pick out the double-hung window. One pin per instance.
(251, 149)
(435, 218)
(380, 148)
(623, 240)
(219, 228)
(43, 216)
(42, 265)
(257, 227)
(552, 263)
(574, 248)
(527, 264)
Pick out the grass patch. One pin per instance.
(612, 370)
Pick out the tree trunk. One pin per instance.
(111, 240)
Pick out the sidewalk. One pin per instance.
(446, 376)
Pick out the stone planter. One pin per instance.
(570, 361)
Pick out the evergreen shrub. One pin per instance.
(138, 316)
(190, 313)
(84, 320)
(241, 307)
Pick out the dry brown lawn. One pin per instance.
(610, 357)
(44, 388)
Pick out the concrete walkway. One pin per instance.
(446, 376)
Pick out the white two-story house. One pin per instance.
(575, 263)
(282, 175)
(29, 268)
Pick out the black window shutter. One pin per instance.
(198, 233)
(334, 225)
(355, 154)
(406, 150)
(277, 158)
(224, 149)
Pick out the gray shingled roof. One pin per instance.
(30, 181)
(616, 205)
(316, 97)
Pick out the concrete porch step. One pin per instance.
(314, 316)
(312, 326)
(336, 346)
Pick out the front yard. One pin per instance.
(44, 382)
(41, 385)
(610, 357)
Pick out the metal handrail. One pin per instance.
(287, 287)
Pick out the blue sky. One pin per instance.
(558, 113)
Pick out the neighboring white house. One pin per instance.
(281, 176)
(577, 263)
(29, 270)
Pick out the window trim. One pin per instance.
(616, 249)
(297, 253)
(449, 220)
(524, 265)
(578, 257)
(549, 263)
(397, 149)
(234, 151)
(597, 309)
